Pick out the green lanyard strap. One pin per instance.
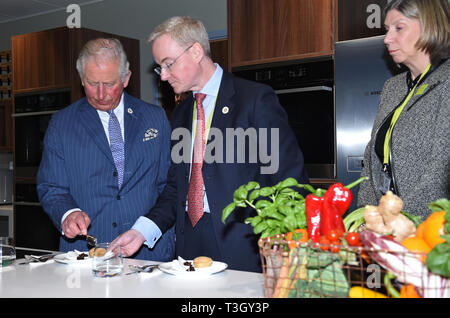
(396, 116)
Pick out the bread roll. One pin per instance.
(202, 262)
(98, 252)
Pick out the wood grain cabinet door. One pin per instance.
(273, 30)
(41, 60)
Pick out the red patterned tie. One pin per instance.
(195, 191)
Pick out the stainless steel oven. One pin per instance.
(305, 89)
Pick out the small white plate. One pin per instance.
(174, 268)
(71, 258)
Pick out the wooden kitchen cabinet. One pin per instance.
(41, 60)
(45, 60)
(263, 31)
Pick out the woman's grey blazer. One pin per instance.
(420, 149)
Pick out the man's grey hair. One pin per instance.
(185, 31)
(107, 48)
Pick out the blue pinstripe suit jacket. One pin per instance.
(77, 171)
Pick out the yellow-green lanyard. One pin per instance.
(397, 115)
(208, 124)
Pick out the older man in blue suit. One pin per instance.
(196, 193)
(106, 156)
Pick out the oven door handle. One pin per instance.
(26, 114)
(304, 89)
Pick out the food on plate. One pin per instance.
(82, 256)
(98, 252)
(202, 262)
(387, 218)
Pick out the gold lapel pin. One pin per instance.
(225, 110)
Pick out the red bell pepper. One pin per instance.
(341, 196)
(313, 208)
(337, 200)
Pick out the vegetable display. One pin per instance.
(309, 249)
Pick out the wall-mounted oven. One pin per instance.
(305, 90)
(32, 114)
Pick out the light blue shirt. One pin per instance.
(144, 225)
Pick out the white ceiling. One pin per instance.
(11, 10)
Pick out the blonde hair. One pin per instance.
(109, 48)
(183, 30)
(433, 16)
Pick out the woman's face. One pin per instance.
(401, 37)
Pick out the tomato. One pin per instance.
(335, 246)
(333, 236)
(324, 243)
(352, 239)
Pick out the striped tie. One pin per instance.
(116, 145)
(195, 191)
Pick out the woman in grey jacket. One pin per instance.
(409, 150)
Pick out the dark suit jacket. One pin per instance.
(77, 170)
(250, 105)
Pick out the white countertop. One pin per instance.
(51, 279)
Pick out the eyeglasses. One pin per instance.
(158, 70)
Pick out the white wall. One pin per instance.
(131, 18)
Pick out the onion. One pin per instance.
(397, 259)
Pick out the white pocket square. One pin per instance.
(150, 134)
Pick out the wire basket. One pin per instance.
(311, 270)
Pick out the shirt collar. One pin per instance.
(212, 86)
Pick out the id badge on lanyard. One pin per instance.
(385, 177)
(385, 181)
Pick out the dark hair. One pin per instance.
(433, 16)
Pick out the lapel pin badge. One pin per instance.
(225, 110)
(130, 111)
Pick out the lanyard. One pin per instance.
(396, 116)
(208, 124)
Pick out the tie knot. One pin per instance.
(199, 97)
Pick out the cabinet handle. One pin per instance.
(304, 89)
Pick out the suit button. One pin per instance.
(114, 224)
(115, 173)
(118, 197)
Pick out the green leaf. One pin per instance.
(289, 182)
(261, 204)
(276, 215)
(227, 211)
(266, 191)
(252, 185)
(260, 227)
(439, 205)
(291, 223)
(240, 193)
(254, 221)
(438, 260)
(254, 195)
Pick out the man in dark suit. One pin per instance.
(242, 119)
(105, 157)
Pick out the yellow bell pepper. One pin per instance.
(362, 292)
